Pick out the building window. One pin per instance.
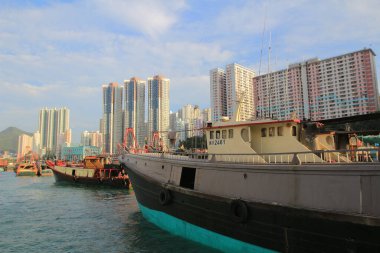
(263, 132)
(217, 135)
(211, 135)
(271, 131)
(230, 133)
(224, 134)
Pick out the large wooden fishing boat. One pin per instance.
(265, 186)
(95, 170)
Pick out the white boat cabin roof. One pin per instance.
(229, 124)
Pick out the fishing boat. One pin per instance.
(27, 169)
(264, 186)
(95, 170)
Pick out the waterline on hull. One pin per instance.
(198, 234)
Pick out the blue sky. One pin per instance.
(59, 53)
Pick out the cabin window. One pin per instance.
(187, 177)
(244, 134)
(211, 135)
(217, 134)
(329, 140)
(263, 132)
(271, 131)
(230, 133)
(294, 131)
(224, 134)
(280, 131)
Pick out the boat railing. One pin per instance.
(362, 155)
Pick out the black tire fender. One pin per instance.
(164, 197)
(239, 211)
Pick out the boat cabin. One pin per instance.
(260, 137)
(95, 162)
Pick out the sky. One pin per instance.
(60, 53)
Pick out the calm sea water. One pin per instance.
(39, 215)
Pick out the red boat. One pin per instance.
(95, 170)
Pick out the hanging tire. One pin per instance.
(239, 211)
(164, 197)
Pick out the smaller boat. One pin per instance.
(45, 173)
(43, 170)
(11, 167)
(95, 170)
(26, 169)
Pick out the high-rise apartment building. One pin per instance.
(94, 138)
(187, 113)
(63, 140)
(158, 107)
(135, 107)
(112, 117)
(36, 142)
(173, 121)
(239, 86)
(25, 144)
(206, 115)
(228, 89)
(341, 86)
(52, 123)
(218, 94)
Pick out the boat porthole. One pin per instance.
(164, 197)
(239, 211)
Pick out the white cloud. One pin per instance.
(151, 17)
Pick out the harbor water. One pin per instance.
(39, 215)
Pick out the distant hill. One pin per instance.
(9, 138)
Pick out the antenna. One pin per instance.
(262, 39)
(287, 88)
(269, 83)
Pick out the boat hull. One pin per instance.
(46, 173)
(110, 182)
(210, 220)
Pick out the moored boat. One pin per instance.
(45, 172)
(265, 186)
(27, 169)
(95, 170)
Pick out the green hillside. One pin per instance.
(9, 139)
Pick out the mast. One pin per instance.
(262, 39)
(269, 83)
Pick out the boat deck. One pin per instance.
(365, 155)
